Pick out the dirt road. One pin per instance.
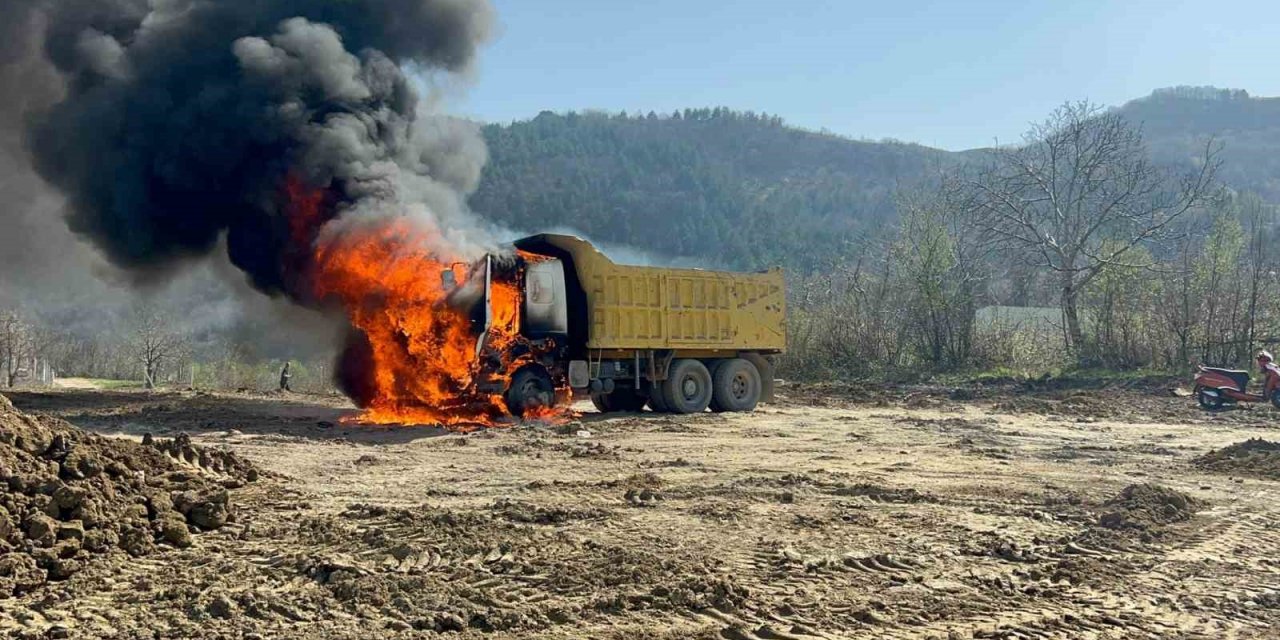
(831, 514)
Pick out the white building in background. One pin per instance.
(1028, 318)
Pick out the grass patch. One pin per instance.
(1048, 378)
(113, 385)
(1071, 378)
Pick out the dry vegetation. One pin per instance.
(1093, 256)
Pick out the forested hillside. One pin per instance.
(731, 188)
(745, 190)
(1177, 122)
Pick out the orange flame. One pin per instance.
(421, 364)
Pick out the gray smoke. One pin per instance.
(628, 255)
(184, 121)
(33, 239)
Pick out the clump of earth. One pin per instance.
(1255, 457)
(68, 497)
(1147, 506)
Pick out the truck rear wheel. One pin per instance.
(687, 388)
(735, 386)
(620, 399)
(656, 401)
(530, 389)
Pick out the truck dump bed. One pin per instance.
(631, 307)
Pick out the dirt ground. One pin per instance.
(838, 512)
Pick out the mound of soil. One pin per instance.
(1122, 404)
(879, 493)
(1255, 457)
(67, 497)
(1147, 506)
(233, 469)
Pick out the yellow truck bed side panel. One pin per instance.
(657, 308)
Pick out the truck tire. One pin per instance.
(656, 402)
(530, 388)
(621, 399)
(764, 365)
(687, 388)
(601, 402)
(735, 386)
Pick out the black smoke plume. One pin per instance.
(184, 120)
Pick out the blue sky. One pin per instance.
(949, 74)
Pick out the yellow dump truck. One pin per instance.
(678, 340)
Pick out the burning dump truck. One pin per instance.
(678, 340)
(308, 154)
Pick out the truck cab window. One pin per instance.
(541, 289)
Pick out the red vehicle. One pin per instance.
(1216, 387)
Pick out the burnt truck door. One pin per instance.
(488, 306)
(546, 309)
(470, 294)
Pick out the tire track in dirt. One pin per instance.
(1236, 548)
(1148, 598)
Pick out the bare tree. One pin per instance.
(155, 343)
(1259, 262)
(1216, 280)
(942, 259)
(15, 344)
(1079, 196)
